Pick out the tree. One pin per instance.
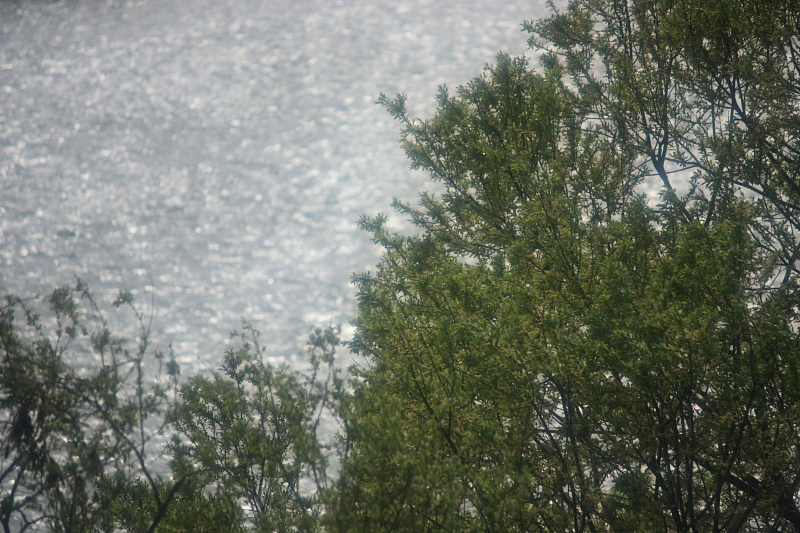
(252, 429)
(552, 352)
(75, 440)
(95, 439)
(707, 88)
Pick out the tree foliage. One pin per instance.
(554, 352)
(100, 437)
(253, 429)
(75, 439)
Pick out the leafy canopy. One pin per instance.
(554, 351)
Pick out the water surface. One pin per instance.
(216, 154)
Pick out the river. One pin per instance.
(213, 156)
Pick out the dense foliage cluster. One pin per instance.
(554, 351)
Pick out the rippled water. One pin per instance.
(218, 152)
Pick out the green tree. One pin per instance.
(252, 430)
(552, 352)
(85, 425)
(194, 509)
(706, 89)
(74, 439)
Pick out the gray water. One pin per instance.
(215, 155)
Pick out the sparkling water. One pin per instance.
(215, 155)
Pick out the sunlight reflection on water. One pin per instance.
(218, 152)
